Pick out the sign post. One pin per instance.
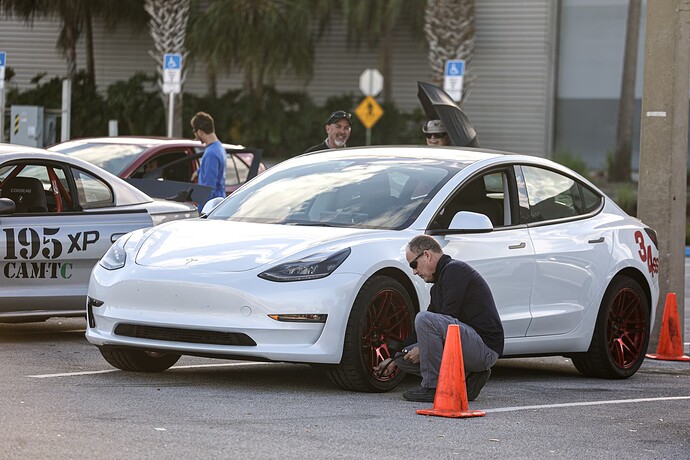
(453, 77)
(172, 83)
(3, 59)
(369, 111)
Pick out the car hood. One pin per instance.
(233, 246)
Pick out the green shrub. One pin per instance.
(136, 105)
(284, 124)
(88, 115)
(626, 198)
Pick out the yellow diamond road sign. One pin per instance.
(369, 111)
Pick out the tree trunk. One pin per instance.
(211, 81)
(71, 34)
(90, 66)
(385, 61)
(450, 32)
(168, 25)
(620, 168)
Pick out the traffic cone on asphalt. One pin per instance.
(451, 393)
(670, 346)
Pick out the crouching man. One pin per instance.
(459, 296)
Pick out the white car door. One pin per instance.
(47, 252)
(573, 250)
(504, 256)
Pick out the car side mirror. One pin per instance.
(470, 222)
(210, 204)
(7, 207)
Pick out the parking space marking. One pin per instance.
(75, 374)
(588, 403)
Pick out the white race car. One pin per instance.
(306, 263)
(58, 216)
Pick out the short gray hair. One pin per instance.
(421, 243)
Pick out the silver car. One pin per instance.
(58, 216)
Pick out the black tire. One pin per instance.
(382, 312)
(621, 334)
(129, 359)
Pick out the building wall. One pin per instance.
(592, 46)
(511, 103)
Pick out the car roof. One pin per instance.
(13, 148)
(147, 141)
(10, 152)
(464, 154)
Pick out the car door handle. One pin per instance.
(598, 240)
(517, 246)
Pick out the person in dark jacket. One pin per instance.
(338, 128)
(459, 296)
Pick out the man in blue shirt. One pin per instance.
(211, 173)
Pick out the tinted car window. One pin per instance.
(552, 195)
(484, 195)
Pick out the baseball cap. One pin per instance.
(434, 126)
(339, 115)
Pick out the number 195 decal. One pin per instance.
(24, 245)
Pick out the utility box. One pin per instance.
(26, 125)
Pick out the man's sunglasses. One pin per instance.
(436, 135)
(339, 115)
(413, 263)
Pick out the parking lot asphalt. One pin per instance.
(61, 400)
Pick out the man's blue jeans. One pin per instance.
(431, 331)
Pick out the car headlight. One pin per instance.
(312, 267)
(116, 256)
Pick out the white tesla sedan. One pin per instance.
(306, 263)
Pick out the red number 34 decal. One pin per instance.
(645, 254)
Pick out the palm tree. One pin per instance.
(450, 32)
(168, 26)
(264, 38)
(71, 15)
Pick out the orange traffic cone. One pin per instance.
(670, 346)
(451, 393)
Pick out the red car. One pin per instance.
(162, 159)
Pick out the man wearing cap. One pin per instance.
(435, 132)
(338, 127)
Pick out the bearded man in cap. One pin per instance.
(338, 127)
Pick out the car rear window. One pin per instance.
(114, 158)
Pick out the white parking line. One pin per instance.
(74, 374)
(588, 403)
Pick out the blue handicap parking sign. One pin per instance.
(2, 59)
(455, 68)
(172, 61)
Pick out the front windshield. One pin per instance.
(114, 158)
(372, 192)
